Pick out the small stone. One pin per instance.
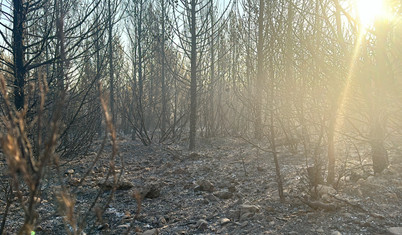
(111, 210)
(70, 171)
(204, 185)
(194, 156)
(211, 198)
(379, 216)
(360, 181)
(232, 188)
(74, 181)
(347, 215)
(126, 216)
(326, 198)
(121, 185)
(272, 223)
(180, 171)
(392, 195)
(233, 214)
(336, 233)
(320, 230)
(103, 226)
(223, 194)
(162, 221)
(324, 189)
(124, 226)
(119, 214)
(244, 224)
(249, 209)
(246, 216)
(151, 191)
(124, 185)
(370, 179)
(201, 224)
(354, 177)
(395, 230)
(365, 224)
(224, 221)
(151, 232)
(269, 209)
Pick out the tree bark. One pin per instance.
(111, 67)
(378, 121)
(193, 85)
(19, 53)
(164, 101)
(258, 130)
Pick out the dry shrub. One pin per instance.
(28, 176)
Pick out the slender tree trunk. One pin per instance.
(272, 137)
(111, 67)
(164, 101)
(98, 74)
(271, 104)
(134, 107)
(258, 131)
(193, 86)
(140, 64)
(19, 53)
(61, 47)
(317, 70)
(378, 121)
(211, 116)
(336, 102)
(248, 60)
(334, 110)
(331, 150)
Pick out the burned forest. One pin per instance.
(200, 117)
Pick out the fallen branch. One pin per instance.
(317, 205)
(375, 215)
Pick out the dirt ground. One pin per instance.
(225, 187)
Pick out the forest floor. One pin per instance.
(225, 187)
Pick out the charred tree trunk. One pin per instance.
(98, 74)
(211, 112)
(111, 67)
(193, 85)
(258, 131)
(61, 54)
(378, 121)
(163, 79)
(19, 53)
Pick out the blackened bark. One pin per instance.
(193, 86)
(164, 101)
(111, 67)
(211, 111)
(19, 53)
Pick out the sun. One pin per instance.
(369, 11)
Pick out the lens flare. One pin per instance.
(370, 10)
